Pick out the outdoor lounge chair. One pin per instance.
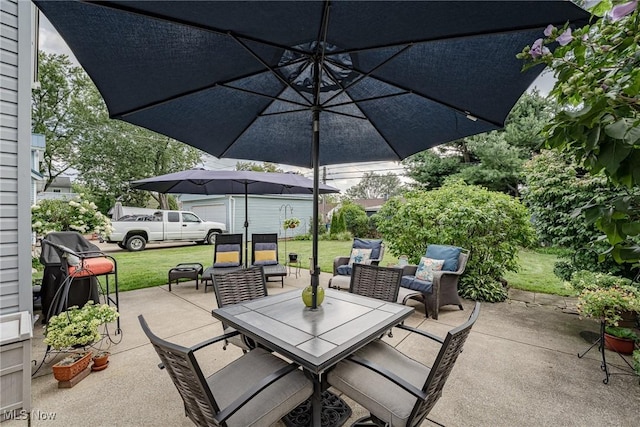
(396, 389)
(363, 251)
(258, 389)
(227, 256)
(239, 286)
(264, 252)
(443, 288)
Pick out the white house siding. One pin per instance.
(266, 213)
(15, 183)
(15, 152)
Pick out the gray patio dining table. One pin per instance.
(315, 339)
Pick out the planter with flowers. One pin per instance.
(291, 223)
(608, 305)
(77, 328)
(621, 340)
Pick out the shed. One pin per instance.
(266, 212)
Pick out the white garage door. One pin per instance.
(216, 212)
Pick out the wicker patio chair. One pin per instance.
(225, 246)
(264, 252)
(376, 282)
(443, 290)
(258, 389)
(235, 287)
(341, 267)
(395, 389)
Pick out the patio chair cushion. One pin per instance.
(382, 398)
(265, 258)
(426, 268)
(227, 255)
(265, 254)
(92, 267)
(266, 246)
(359, 256)
(374, 244)
(231, 382)
(449, 254)
(410, 282)
(241, 341)
(344, 270)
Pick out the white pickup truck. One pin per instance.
(134, 231)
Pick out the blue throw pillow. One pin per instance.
(374, 244)
(449, 254)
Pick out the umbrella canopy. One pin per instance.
(201, 181)
(311, 82)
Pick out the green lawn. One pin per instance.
(536, 273)
(149, 268)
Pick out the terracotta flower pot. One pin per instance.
(101, 361)
(620, 345)
(64, 372)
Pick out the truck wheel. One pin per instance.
(211, 238)
(122, 245)
(136, 243)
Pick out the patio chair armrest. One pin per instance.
(388, 375)
(409, 270)
(214, 340)
(437, 275)
(242, 400)
(421, 332)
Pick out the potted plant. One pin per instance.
(608, 304)
(100, 361)
(291, 223)
(78, 327)
(618, 339)
(71, 365)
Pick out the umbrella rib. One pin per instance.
(174, 20)
(279, 113)
(267, 66)
(466, 113)
(264, 95)
(364, 75)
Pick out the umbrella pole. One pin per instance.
(315, 279)
(246, 226)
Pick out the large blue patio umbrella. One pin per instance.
(309, 83)
(207, 182)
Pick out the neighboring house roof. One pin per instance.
(61, 182)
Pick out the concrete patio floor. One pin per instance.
(518, 368)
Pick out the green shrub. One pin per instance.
(338, 224)
(584, 279)
(491, 225)
(77, 214)
(556, 189)
(355, 219)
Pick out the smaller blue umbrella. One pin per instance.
(201, 181)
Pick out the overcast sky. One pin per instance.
(340, 176)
